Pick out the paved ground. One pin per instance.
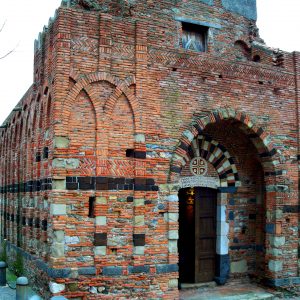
(234, 291)
(7, 293)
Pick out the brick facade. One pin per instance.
(94, 156)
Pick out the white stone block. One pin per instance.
(188, 135)
(56, 288)
(140, 138)
(173, 217)
(173, 246)
(275, 265)
(139, 202)
(100, 221)
(59, 236)
(173, 198)
(100, 250)
(173, 235)
(139, 220)
(139, 250)
(173, 283)
(58, 209)
(59, 184)
(277, 241)
(101, 200)
(72, 240)
(61, 142)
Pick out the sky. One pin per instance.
(278, 21)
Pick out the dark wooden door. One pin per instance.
(197, 234)
(205, 234)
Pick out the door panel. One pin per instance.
(205, 237)
(197, 234)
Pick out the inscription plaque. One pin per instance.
(199, 181)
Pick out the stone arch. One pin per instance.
(260, 138)
(264, 149)
(216, 154)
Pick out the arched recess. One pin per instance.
(266, 154)
(84, 82)
(82, 126)
(103, 111)
(120, 139)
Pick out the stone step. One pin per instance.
(198, 286)
(240, 296)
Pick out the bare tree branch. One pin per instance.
(2, 26)
(10, 51)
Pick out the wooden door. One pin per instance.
(205, 234)
(197, 235)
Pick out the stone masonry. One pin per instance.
(96, 154)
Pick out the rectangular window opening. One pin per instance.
(194, 37)
(92, 201)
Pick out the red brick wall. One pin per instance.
(117, 79)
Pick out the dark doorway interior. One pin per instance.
(197, 234)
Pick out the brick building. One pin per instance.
(157, 146)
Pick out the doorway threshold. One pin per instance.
(201, 285)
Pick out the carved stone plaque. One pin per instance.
(198, 166)
(199, 181)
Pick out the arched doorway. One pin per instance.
(240, 211)
(197, 234)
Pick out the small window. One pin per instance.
(45, 152)
(194, 37)
(92, 201)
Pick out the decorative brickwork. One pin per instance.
(96, 157)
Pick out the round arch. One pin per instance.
(195, 141)
(259, 137)
(84, 83)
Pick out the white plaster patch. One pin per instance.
(221, 213)
(238, 266)
(222, 228)
(222, 244)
